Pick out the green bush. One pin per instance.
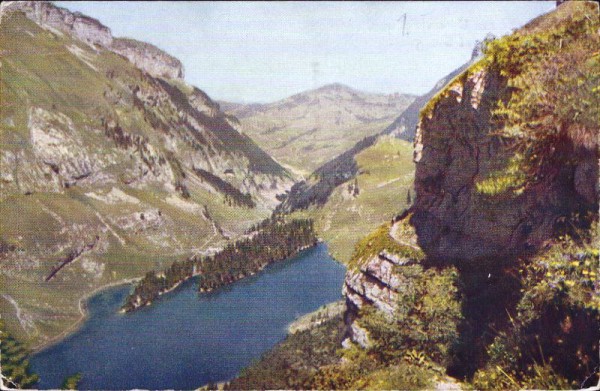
(427, 317)
(552, 341)
(552, 104)
(541, 377)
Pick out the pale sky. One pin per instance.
(265, 51)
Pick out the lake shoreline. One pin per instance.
(83, 314)
(129, 307)
(129, 281)
(231, 324)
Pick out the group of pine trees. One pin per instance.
(275, 241)
(14, 366)
(233, 196)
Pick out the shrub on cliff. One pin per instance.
(553, 338)
(552, 104)
(426, 320)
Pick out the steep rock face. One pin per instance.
(455, 149)
(82, 27)
(381, 276)
(376, 282)
(149, 58)
(143, 55)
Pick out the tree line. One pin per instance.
(276, 241)
(232, 194)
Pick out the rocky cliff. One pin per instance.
(82, 27)
(382, 268)
(89, 30)
(507, 196)
(457, 147)
(149, 58)
(377, 282)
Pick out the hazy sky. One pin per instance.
(264, 51)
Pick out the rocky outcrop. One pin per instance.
(377, 282)
(82, 27)
(61, 157)
(143, 55)
(148, 58)
(454, 150)
(202, 102)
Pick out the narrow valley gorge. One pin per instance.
(333, 239)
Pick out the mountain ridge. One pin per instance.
(111, 165)
(307, 129)
(143, 55)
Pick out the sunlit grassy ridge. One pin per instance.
(386, 172)
(309, 129)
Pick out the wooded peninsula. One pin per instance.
(277, 240)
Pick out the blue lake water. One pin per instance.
(187, 339)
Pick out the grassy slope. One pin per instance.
(54, 305)
(308, 152)
(308, 129)
(38, 70)
(386, 175)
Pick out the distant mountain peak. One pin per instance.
(335, 87)
(309, 128)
